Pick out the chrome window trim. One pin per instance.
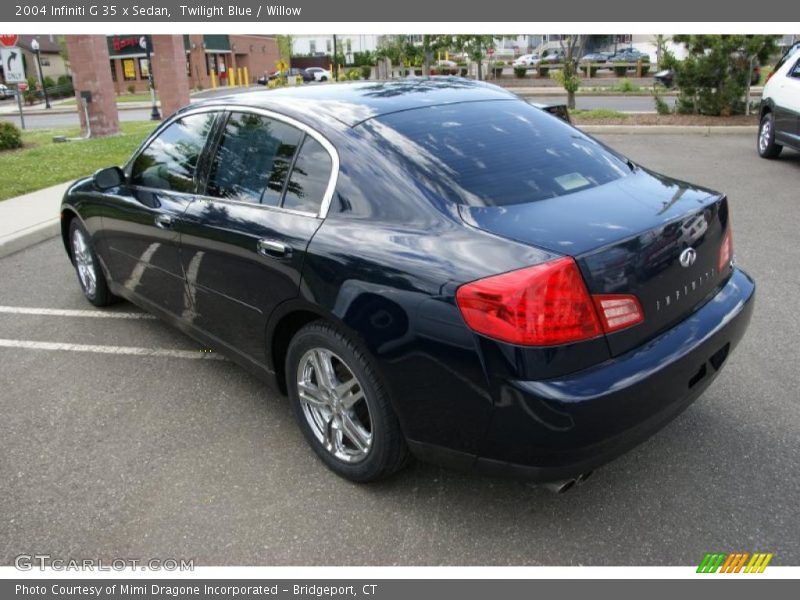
(327, 198)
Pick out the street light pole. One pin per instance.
(35, 48)
(154, 114)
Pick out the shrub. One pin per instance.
(625, 85)
(298, 79)
(10, 136)
(64, 80)
(543, 71)
(662, 107)
(464, 71)
(354, 74)
(620, 71)
(593, 70)
(520, 72)
(366, 71)
(131, 89)
(645, 69)
(49, 82)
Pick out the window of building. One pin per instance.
(144, 68)
(328, 46)
(253, 159)
(128, 69)
(170, 160)
(312, 47)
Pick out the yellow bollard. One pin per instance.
(239, 76)
(231, 77)
(246, 77)
(213, 79)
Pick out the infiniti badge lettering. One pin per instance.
(687, 289)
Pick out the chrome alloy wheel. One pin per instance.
(84, 263)
(763, 137)
(334, 405)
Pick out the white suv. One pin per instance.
(780, 107)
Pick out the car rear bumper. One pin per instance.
(558, 428)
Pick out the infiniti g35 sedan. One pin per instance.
(430, 268)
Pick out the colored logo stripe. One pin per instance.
(734, 562)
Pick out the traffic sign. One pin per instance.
(22, 86)
(490, 51)
(8, 40)
(12, 65)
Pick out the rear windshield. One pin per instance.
(496, 153)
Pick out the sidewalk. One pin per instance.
(31, 218)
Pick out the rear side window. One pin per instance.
(170, 160)
(253, 159)
(310, 176)
(496, 153)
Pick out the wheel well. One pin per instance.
(282, 335)
(66, 220)
(764, 110)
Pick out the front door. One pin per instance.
(243, 243)
(140, 231)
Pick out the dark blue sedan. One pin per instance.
(430, 268)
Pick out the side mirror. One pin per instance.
(108, 178)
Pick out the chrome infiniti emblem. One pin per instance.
(688, 257)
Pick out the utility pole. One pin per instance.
(335, 61)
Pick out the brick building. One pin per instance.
(204, 53)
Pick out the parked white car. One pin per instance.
(319, 74)
(780, 107)
(526, 60)
(5, 92)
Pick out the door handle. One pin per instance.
(164, 221)
(273, 248)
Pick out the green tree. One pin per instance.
(285, 43)
(474, 46)
(713, 78)
(573, 47)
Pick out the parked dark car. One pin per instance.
(428, 267)
(596, 57)
(629, 55)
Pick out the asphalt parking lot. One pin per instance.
(109, 453)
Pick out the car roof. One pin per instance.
(353, 103)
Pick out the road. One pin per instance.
(43, 120)
(105, 454)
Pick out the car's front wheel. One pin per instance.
(341, 405)
(90, 275)
(767, 148)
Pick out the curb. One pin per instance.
(705, 130)
(30, 236)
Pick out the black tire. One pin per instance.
(323, 78)
(765, 141)
(98, 293)
(387, 452)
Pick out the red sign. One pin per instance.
(22, 86)
(490, 51)
(8, 40)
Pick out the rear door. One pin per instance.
(140, 223)
(243, 243)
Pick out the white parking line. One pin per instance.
(62, 312)
(127, 350)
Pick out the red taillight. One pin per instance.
(618, 311)
(543, 305)
(726, 250)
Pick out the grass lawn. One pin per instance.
(598, 113)
(41, 163)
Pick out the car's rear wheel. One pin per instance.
(767, 148)
(90, 275)
(341, 406)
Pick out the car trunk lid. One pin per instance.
(627, 237)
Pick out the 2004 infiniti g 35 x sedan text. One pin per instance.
(427, 267)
